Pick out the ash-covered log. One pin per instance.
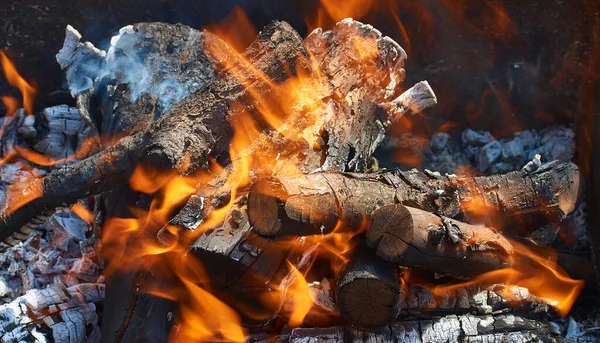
(314, 203)
(452, 328)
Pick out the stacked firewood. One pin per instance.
(171, 97)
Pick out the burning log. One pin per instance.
(416, 238)
(368, 290)
(452, 328)
(314, 203)
(69, 313)
(204, 117)
(160, 147)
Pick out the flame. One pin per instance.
(237, 27)
(299, 293)
(40, 159)
(293, 110)
(23, 192)
(540, 274)
(332, 11)
(15, 80)
(82, 212)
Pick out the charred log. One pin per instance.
(467, 328)
(160, 147)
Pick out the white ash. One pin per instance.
(54, 314)
(50, 281)
(481, 152)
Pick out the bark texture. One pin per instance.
(436, 243)
(314, 203)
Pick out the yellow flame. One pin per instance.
(299, 293)
(15, 80)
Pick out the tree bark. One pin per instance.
(435, 243)
(314, 203)
(201, 118)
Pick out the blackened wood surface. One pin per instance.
(201, 119)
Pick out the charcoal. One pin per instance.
(451, 153)
(529, 139)
(488, 154)
(513, 151)
(471, 151)
(501, 168)
(69, 223)
(478, 138)
(438, 142)
(5, 290)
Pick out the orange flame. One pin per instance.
(40, 159)
(542, 276)
(299, 293)
(332, 11)
(15, 80)
(82, 212)
(21, 193)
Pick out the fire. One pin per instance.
(82, 212)
(15, 80)
(43, 160)
(542, 276)
(299, 293)
(293, 110)
(332, 11)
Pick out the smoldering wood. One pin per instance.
(416, 238)
(160, 147)
(67, 314)
(452, 328)
(314, 203)
(368, 290)
(164, 53)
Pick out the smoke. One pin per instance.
(131, 60)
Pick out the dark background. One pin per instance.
(496, 65)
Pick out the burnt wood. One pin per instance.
(200, 118)
(314, 203)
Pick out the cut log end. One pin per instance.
(263, 208)
(390, 229)
(368, 302)
(368, 290)
(571, 190)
